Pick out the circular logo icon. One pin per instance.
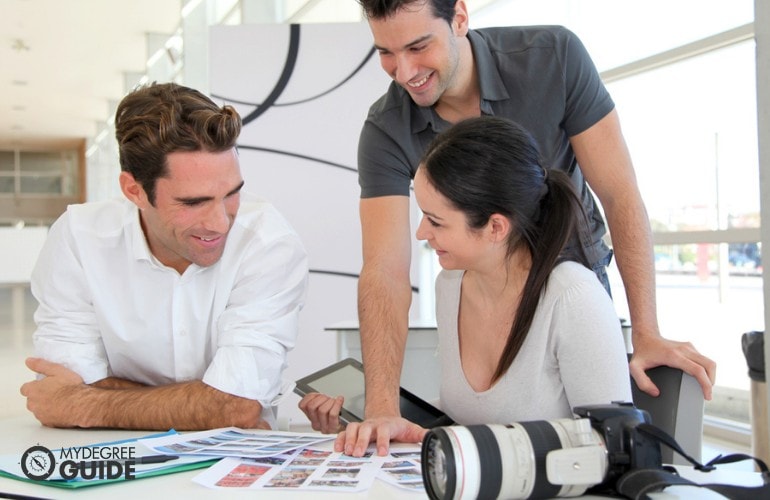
(37, 463)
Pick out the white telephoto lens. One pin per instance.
(518, 458)
(581, 462)
(467, 465)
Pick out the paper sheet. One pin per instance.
(313, 468)
(235, 442)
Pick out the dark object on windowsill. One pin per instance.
(753, 344)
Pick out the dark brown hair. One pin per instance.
(382, 9)
(491, 165)
(158, 119)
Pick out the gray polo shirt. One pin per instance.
(541, 77)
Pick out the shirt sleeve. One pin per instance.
(383, 167)
(67, 330)
(591, 354)
(587, 99)
(260, 323)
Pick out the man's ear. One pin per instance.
(133, 190)
(460, 21)
(499, 228)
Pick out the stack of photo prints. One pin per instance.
(290, 460)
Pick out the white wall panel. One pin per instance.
(304, 92)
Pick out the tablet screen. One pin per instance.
(346, 381)
(346, 378)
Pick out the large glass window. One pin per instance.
(617, 33)
(691, 129)
(51, 173)
(7, 172)
(687, 103)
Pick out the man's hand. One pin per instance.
(323, 412)
(52, 399)
(61, 399)
(355, 439)
(652, 351)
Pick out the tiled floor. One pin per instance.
(16, 326)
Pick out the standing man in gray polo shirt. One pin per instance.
(542, 78)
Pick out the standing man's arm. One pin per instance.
(384, 297)
(61, 399)
(606, 164)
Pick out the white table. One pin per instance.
(21, 432)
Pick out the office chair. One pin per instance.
(678, 410)
(753, 346)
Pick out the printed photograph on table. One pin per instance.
(243, 475)
(234, 442)
(315, 469)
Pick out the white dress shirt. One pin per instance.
(108, 307)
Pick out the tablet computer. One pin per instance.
(346, 378)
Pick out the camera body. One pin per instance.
(538, 459)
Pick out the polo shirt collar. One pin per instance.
(421, 117)
(491, 88)
(491, 85)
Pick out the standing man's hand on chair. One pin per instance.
(652, 351)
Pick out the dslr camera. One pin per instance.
(538, 459)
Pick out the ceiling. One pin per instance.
(64, 61)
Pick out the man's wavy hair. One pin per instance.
(157, 119)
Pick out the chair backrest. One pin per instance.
(678, 410)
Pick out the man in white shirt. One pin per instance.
(174, 307)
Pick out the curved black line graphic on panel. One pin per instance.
(343, 82)
(280, 86)
(308, 99)
(297, 155)
(348, 275)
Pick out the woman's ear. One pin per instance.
(500, 227)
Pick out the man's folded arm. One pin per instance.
(181, 406)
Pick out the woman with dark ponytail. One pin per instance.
(526, 330)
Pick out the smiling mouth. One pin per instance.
(208, 239)
(418, 83)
